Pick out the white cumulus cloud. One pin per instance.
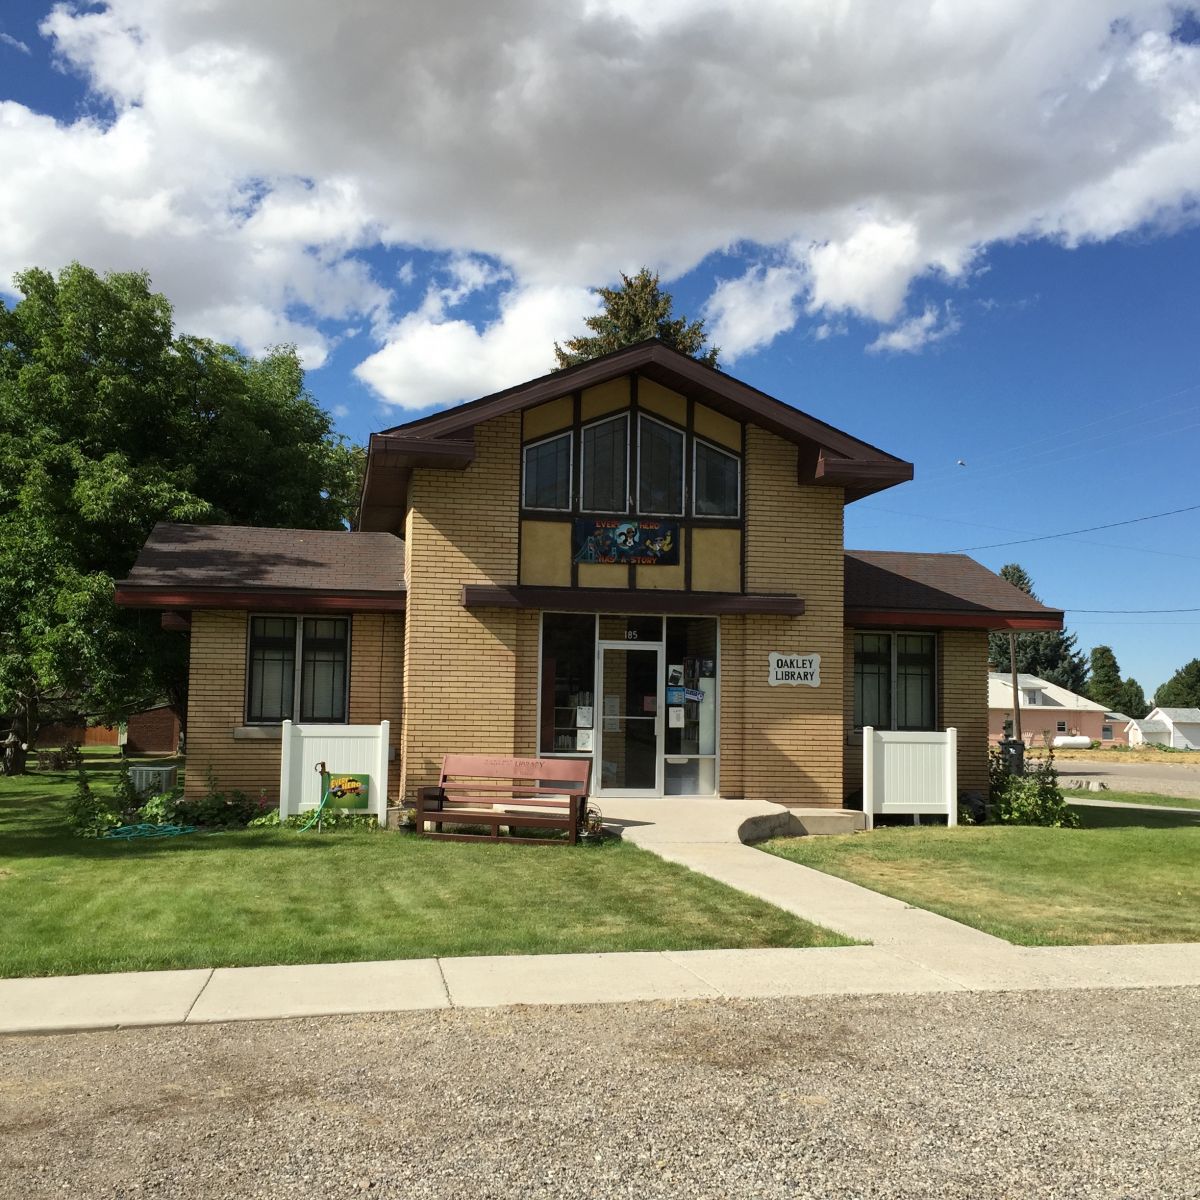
(253, 157)
(931, 325)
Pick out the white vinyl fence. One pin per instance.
(344, 749)
(914, 774)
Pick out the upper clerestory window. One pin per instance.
(605, 466)
(548, 473)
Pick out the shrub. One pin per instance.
(221, 810)
(90, 815)
(161, 808)
(1031, 799)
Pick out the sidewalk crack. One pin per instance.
(445, 985)
(187, 1016)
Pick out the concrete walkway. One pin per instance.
(912, 951)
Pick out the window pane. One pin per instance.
(872, 680)
(272, 669)
(716, 482)
(568, 715)
(606, 466)
(548, 474)
(660, 469)
(323, 670)
(915, 706)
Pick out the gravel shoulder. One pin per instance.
(1166, 779)
(1081, 1094)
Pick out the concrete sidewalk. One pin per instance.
(912, 951)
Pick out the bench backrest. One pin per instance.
(573, 773)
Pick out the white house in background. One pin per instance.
(1049, 711)
(1178, 728)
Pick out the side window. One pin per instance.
(872, 680)
(271, 670)
(915, 673)
(323, 669)
(319, 647)
(547, 482)
(605, 466)
(660, 469)
(718, 482)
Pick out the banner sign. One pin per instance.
(346, 791)
(794, 669)
(645, 541)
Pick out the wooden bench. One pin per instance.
(523, 793)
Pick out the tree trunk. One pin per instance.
(21, 736)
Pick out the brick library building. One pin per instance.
(638, 561)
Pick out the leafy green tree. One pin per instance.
(1132, 700)
(637, 310)
(1053, 655)
(110, 422)
(1182, 690)
(1105, 686)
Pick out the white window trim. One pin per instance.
(697, 442)
(298, 669)
(622, 416)
(683, 498)
(892, 635)
(569, 434)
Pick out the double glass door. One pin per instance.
(629, 751)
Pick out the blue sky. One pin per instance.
(958, 233)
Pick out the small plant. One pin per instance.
(161, 808)
(126, 796)
(217, 809)
(90, 815)
(1031, 799)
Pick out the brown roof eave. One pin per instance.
(260, 599)
(901, 618)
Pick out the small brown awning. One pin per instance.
(628, 600)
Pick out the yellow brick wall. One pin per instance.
(217, 690)
(962, 654)
(785, 742)
(460, 682)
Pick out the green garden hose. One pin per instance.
(316, 813)
(126, 833)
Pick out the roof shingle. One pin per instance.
(237, 557)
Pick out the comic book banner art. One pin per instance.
(642, 540)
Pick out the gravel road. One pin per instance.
(1050, 1094)
(1165, 779)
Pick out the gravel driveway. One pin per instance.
(1068, 1094)
(1165, 779)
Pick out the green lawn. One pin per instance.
(277, 896)
(1151, 799)
(1125, 876)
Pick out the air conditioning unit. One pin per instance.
(149, 780)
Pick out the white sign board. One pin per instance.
(794, 669)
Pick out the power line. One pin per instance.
(1137, 611)
(1072, 532)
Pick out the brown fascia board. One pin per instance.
(859, 477)
(180, 596)
(477, 595)
(899, 618)
(390, 461)
(659, 362)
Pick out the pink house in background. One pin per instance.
(1049, 711)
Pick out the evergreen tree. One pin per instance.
(637, 310)
(1182, 690)
(1105, 686)
(1132, 701)
(1053, 655)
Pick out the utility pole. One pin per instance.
(1017, 736)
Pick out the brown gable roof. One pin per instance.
(891, 587)
(214, 566)
(830, 455)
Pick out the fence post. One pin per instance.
(285, 773)
(951, 777)
(382, 773)
(869, 776)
